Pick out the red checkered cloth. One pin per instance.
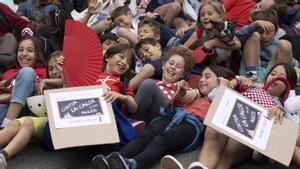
(260, 96)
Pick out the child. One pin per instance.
(209, 12)
(220, 152)
(261, 47)
(150, 52)
(18, 133)
(22, 79)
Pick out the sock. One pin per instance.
(5, 122)
(250, 71)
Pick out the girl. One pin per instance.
(22, 79)
(220, 152)
(209, 12)
(17, 134)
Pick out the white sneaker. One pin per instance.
(197, 165)
(3, 163)
(169, 162)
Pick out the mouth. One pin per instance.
(171, 72)
(121, 67)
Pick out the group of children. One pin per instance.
(150, 64)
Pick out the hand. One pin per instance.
(225, 82)
(189, 96)
(180, 84)
(122, 40)
(275, 111)
(94, 7)
(60, 60)
(149, 15)
(123, 32)
(41, 86)
(263, 26)
(244, 81)
(111, 96)
(180, 32)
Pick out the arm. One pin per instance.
(217, 43)
(49, 83)
(129, 101)
(5, 98)
(191, 40)
(146, 72)
(92, 9)
(126, 33)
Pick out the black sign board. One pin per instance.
(244, 119)
(80, 107)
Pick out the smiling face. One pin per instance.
(278, 87)
(150, 52)
(208, 14)
(53, 71)
(208, 81)
(173, 69)
(118, 64)
(124, 21)
(146, 31)
(26, 53)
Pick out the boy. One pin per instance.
(127, 25)
(261, 47)
(149, 51)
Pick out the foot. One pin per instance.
(197, 165)
(116, 161)
(169, 162)
(99, 162)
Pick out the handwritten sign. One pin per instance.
(79, 107)
(244, 119)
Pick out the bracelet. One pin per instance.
(197, 93)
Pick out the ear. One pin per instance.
(158, 46)
(129, 13)
(214, 23)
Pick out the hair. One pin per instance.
(221, 71)
(122, 48)
(185, 53)
(39, 56)
(280, 6)
(215, 4)
(152, 23)
(52, 55)
(291, 74)
(108, 36)
(122, 10)
(145, 41)
(266, 15)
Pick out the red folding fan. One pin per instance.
(83, 55)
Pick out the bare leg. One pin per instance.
(251, 50)
(179, 23)
(14, 110)
(296, 156)
(283, 54)
(169, 12)
(9, 132)
(213, 145)
(233, 153)
(21, 139)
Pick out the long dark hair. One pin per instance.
(39, 56)
(221, 71)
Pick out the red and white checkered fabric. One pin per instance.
(260, 96)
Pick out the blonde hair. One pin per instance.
(216, 5)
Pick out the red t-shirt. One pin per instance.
(113, 83)
(198, 107)
(39, 70)
(238, 10)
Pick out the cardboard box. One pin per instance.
(246, 121)
(79, 116)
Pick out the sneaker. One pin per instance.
(3, 163)
(197, 165)
(169, 162)
(138, 125)
(116, 161)
(100, 162)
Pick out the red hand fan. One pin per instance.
(83, 55)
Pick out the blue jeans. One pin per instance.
(24, 86)
(3, 110)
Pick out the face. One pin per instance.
(266, 38)
(173, 69)
(118, 64)
(208, 81)
(150, 52)
(44, 28)
(26, 53)
(53, 70)
(124, 20)
(278, 87)
(146, 31)
(108, 44)
(263, 5)
(208, 14)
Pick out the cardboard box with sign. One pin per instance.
(79, 116)
(245, 121)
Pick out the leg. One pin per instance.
(283, 53)
(251, 53)
(137, 145)
(21, 139)
(296, 156)
(213, 145)
(167, 142)
(149, 99)
(9, 132)
(233, 153)
(24, 87)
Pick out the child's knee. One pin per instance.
(28, 124)
(27, 73)
(284, 46)
(175, 6)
